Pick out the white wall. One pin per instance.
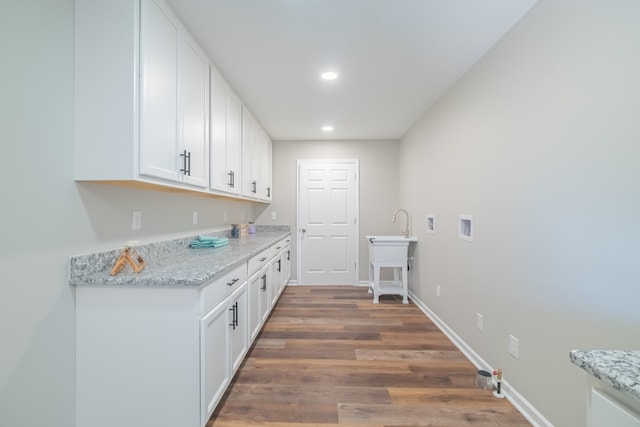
(47, 217)
(378, 162)
(540, 142)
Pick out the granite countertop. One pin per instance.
(618, 368)
(172, 263)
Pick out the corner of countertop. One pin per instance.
(619, 369)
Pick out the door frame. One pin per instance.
(356, 195)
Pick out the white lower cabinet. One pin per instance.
(282, 266)
(605, 410)
(255, 319)
(223, 345)
(214, 363)
(138, 354)
(238, 324)
(286, 267)
(276, 274)
(164, 357)
(265, 293)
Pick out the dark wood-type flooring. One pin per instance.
(328, 356)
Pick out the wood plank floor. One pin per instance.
(328, 356)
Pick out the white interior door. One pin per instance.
(327, 222)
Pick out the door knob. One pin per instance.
(304, 230)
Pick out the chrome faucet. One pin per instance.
(407, 228)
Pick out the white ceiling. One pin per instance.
(395, 58)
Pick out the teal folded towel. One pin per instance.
(203, 241)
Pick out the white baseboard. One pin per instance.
(294, 282)
(517, 400)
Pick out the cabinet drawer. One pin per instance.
(276, 248)
(258, 261)
(214, 292)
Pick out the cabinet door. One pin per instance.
(238, 327)
(265, 289)
(287, 266)
(276, 270)
(159, 155)
(247, 141)
(605, 411)
(214, 358)
(255, 319)
(194, 88)
(250, 155)
(226, 137)
(266, 147)
(218, 120)
(234, 142)
(256, 181)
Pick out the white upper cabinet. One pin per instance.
(266, 166)
(144, 98)
(174, 83)
(158, 93)
(141, 96)
(194, 110)
(234, 141)
(250, 155)
(226, 137)
(256, 159)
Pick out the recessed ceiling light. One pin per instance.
(327, 128)
(329, 75)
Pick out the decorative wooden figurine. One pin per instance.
(130, 256)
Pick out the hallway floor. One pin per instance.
(328, 356)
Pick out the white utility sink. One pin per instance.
(392, 250)
(389, 252)
(386, 240)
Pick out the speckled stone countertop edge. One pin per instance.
(618, 368)
(172, 263)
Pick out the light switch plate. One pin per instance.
(136, 220)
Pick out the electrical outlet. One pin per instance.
(224, 217)
(136, 220)
(479, 322)
(438, 291)
(274, 216)
(513, 346)
(241, 216)
(194, 218)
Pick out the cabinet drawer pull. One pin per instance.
(232, 282)
(262, 259)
